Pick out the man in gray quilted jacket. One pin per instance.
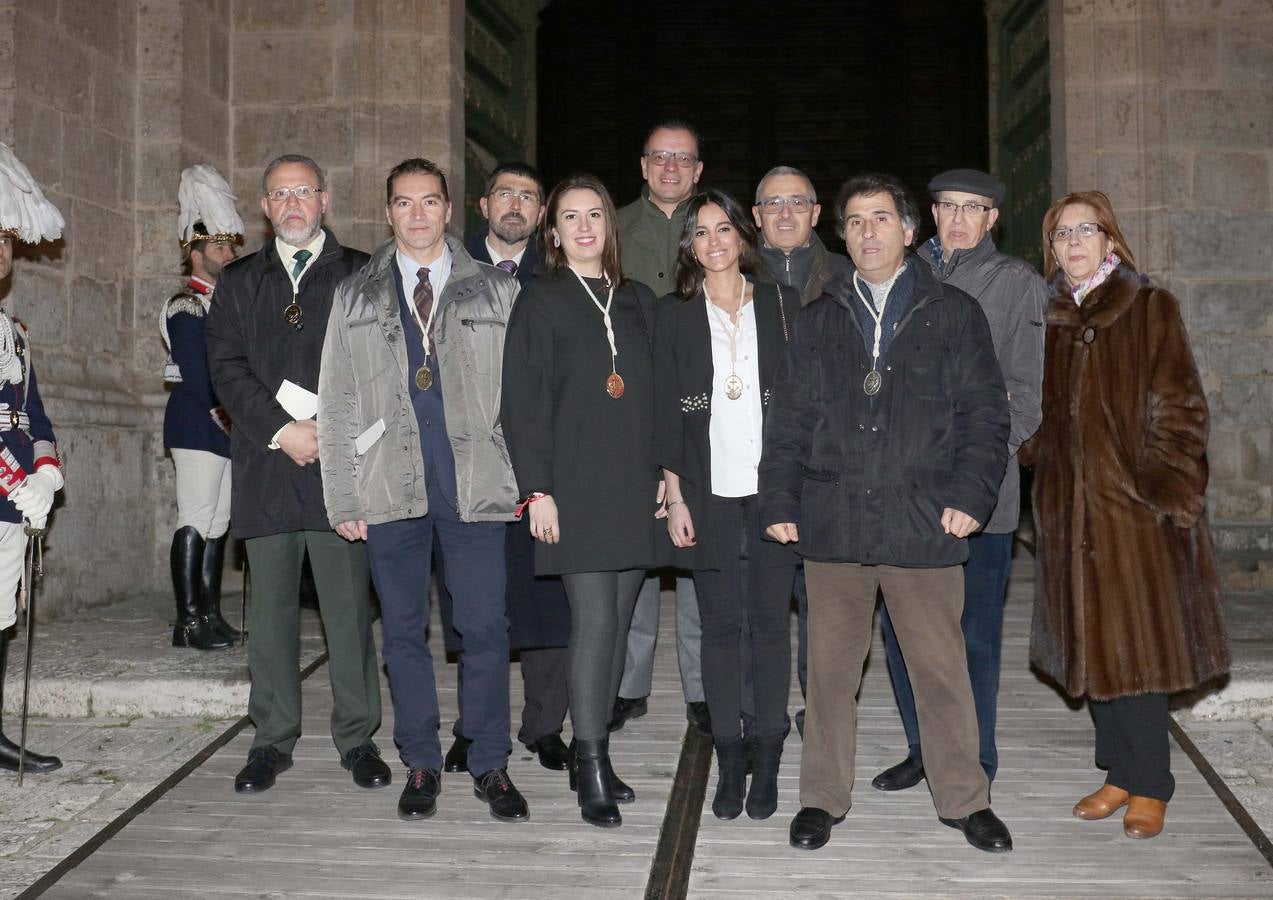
(410, 447)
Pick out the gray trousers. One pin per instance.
(343, 579)
(638, 670)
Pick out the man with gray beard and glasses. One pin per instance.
(265, 341)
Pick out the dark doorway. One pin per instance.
(833, 88)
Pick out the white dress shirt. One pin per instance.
(734, 431)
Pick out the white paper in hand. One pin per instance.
(368, 438)
(299, 403)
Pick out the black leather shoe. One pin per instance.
(984, 830)
(419, 798)
(552, 752)
(497, 789)
(906, 774)
(365, 764)
(811, 828)
(457, 758)
(625, 709)
(696, 713)
(264, 765)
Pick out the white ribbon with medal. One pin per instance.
(614, 383)
(874, 380)
(733, 384)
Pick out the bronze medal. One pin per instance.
(871, 384)
(733, 387)
(614, 385)
(423, 378)
(292, 314)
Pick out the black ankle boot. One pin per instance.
(213, 563)
(731, 779)
(762, 799)
(192, 628)
(590, 776)
(623, 792)
(34, 763)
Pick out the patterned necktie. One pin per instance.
(508, 265)
(301, 257)
(423, 298)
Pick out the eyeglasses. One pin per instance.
(663, 157)
(300, 192)
(505, 195)
(1086, 229)
(970, 209)
(772, 206)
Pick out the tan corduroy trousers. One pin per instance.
(925, 606)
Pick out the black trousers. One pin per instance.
(744, 597)
(1132, 744)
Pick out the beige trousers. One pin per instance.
(925, 606)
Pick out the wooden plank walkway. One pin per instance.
(315, 835)
(891, 845)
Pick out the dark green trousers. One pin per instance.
(342, 577)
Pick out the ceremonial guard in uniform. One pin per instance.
(29, 470)
(196, 427)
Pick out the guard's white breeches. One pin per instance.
(13, 543)
(203, 491)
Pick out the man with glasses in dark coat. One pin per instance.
(265, 340)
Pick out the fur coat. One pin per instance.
(1127, 595)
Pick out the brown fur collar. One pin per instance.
(1102, 307)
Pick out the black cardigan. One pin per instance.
(683, 397)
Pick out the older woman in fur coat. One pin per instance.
(1128, 603)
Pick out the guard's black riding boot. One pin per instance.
(35, 763)
(193, 628)
(591, 777)
(213, 562)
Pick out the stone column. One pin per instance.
(358, 85)
(1167, 106)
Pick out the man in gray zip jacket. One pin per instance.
(410, 447)
(1012, 295)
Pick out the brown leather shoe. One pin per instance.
(1144, 817)
(1102, 804)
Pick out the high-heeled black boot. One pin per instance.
(213, 563)
(731, 779)
(590, 776)
(192, 628)
(762, 799)
(623, 792)
(33, 763)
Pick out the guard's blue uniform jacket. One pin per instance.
(188, 422)
(27, 440)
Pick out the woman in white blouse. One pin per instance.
(717, 347)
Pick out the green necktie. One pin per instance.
(301, 257)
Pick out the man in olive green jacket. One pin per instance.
(650, 231)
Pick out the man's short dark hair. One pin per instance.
(674, 124)
(416, 165)
(294, 158)
(515, 167)
(876, 183)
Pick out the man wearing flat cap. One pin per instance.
(965, 207)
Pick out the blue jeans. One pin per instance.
(401, 556)
(985, 589)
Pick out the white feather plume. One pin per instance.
(205, 197)
(23, 206)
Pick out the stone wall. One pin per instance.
(1168, 108)
(106, 103)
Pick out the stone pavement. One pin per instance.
(124, 710)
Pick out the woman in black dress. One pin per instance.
(578, 417)
(719, 342)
